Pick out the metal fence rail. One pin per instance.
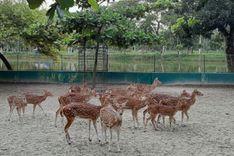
(116, 62)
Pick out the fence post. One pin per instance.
(61, 67)
(154, 62)
(204, 63)
(17, 61)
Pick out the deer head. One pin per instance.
(74, 89)
(47, 93)
(157, 82)
(185, 94)
(120, 108)
(196, 92)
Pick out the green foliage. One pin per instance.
(46, 38)
(33, 4)
(60, 5)
(131, 9)
(14, 18)
(207, 15)
(105, 26)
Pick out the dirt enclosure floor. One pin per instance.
(209, 131)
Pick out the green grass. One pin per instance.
(128, 62)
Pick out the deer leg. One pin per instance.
(56, 115)
(11, 111)
(69, 122)
(186, 113)
(110, 139)
(158, 120)
(136, 117)
(23, 109)
(19, 113)
(104, 132)
(34, 107)
(146, 122)
(163, 120)
(182, 117)
(170, 119)
(133, 117)
(153, 121)
(174, 120)
(95, 127)
(118, 133)
(144, 113)
(42, 109)
(90, 130)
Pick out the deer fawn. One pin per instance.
(18, 102)
(187, 103)
(36, 100)
(173, 101)
(163, 110)
(111, 118)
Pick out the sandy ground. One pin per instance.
(210, 130)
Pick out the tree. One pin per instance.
(46, 38)
(212, 15)
(14, 18)
(89, 26)
(105, 26)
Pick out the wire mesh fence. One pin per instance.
(123, 62)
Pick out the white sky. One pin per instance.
(47, 3)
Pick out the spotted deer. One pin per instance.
(186, 103)
(163, 110)
(17, 102)
(72, 97)
(81, 110)
(111, 118)
(36, 100)
(159, 97)
(143, 88)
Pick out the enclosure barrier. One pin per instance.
(114, 77)
(119, 62)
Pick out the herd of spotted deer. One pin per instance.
(75, 103)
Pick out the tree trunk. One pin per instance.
(95, 65)
(5, 61)
(230, 50)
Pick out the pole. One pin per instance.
(204, 63)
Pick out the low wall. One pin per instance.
(114, 77)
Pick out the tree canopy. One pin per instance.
(15, 18)
(205, 16)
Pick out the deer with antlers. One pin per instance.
(36, 100)
(16, 102)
